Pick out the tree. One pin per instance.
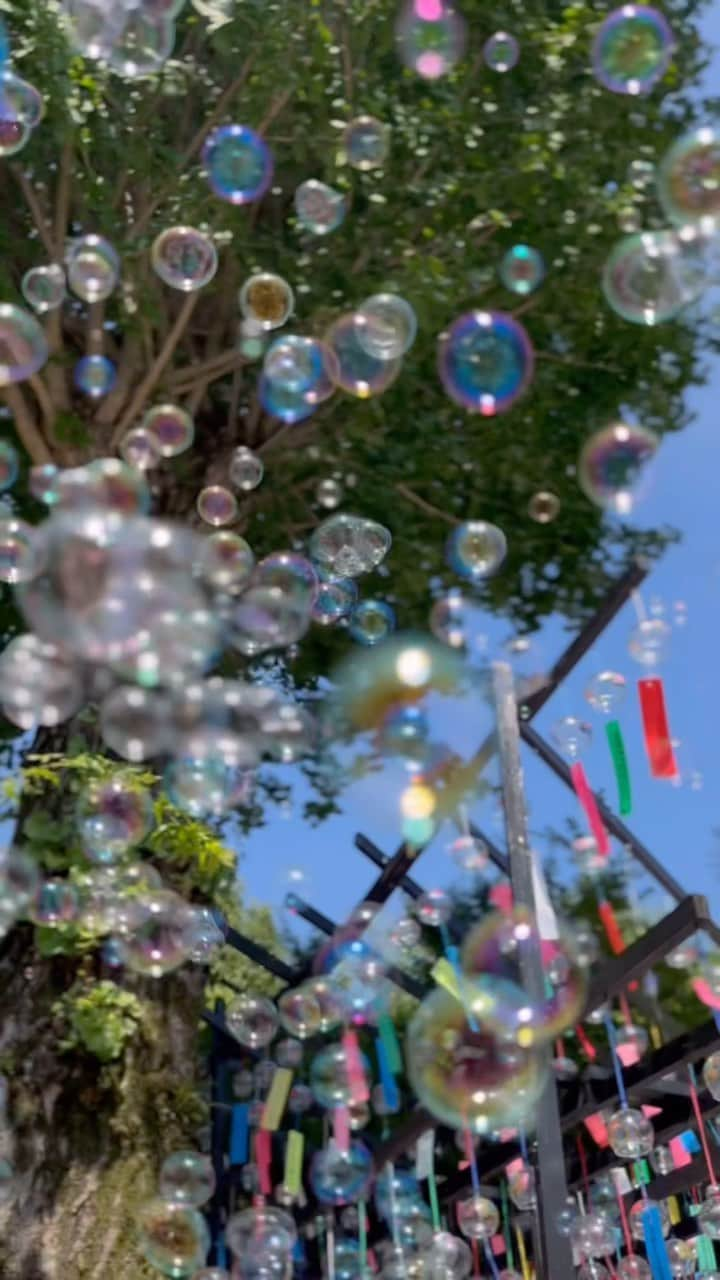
(104, 1075)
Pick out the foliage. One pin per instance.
(100, 1019)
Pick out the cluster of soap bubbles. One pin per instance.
(135, 40)
(173, 1235)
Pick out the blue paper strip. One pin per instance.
(655, 1244)
(239, 1134)
(387, 1079)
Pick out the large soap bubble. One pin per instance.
(23, 346)
(184, 258)
(430, 36)
(93, 268)
(238, 162)
(632, 49)
(173, 1237)
(485, 361)
(613, 465)
(688, 179)
(651, 275)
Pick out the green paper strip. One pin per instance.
(705, 1255)
(293, 1161)
(620, 765)
(641, 1171)
(434, 1202)
(388, 1035)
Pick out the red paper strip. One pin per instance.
(589, 805)
(611, 927)
(656, 729)
(596, 1127)
(586, 1045)
(263, 1159)
(501, 897)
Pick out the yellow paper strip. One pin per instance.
(294, 1150)
(673, 1210)
(655, 1036)
(443, 973)
(522, 1254)
(276, 1099)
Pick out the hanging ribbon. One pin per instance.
(654, 1243)
(618, 754)
(292, 1177)
(656, 729)
(391, 1093)
(239, 1134)
(263, 1160)
(341, 1128)
(611, 927)
(700, 1124)
(359, 1090)
(590, 809)
(276, 1100)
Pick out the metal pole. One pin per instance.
(553, 1253)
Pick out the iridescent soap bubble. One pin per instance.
(632, 49)
(170, 428)
(113, 817)
(252, 1020)
(55, 902)
(144, 43)
(157, 942)
(260, 1231)
(184, 258)
(95, 376)
(434, 908)
(302, 365)
(431, 36)
(135, 723)
(613, 464)
(341, 1177)
(522, 269)
(23, 346)
(14, 135)
(20, 100)
(173, 1237)
(330, 1077)
(320, 209)
(335, 599)
(476, 549)
(9, 465)
(606, 692)
(239, 163)
(20, 556)
(93, 268)
(478, 1219)
(358, 371)
(283, 402)
(635, 1217)
(650, 276)
(469, 853)
(138, 449)
(267, 300)
(39, 685)
(544, 507)
(216, 505)
(630, 1134)
(485, 361)
(449, 620)
(42, 483)
(688, 179)
(205, 787)
(500, 53)
(346, 545)
(367, 142)
(268, 617)
(299, 1012)
(449, 1258)
(371, 621)
(225, 561)
(571, 736)
(43, 288)
(386, 326)
(186, 1177)
(246, 469)
(469, 1078)
(650, 642)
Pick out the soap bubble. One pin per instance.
(430, 36)
(594, 1235)
(544, 507)
(157, 942)
(43, 483)
(348, 546)
(469, 853)
(467, 1078)
(299, 1012)
(571, 736)
(113, 816)
(386, 326)
(204, 936)
(54, 902)
(709, 1216)
(476, 549)
(341, 1177)
(93, 268)
(330, 1077)
(95, 376)
(19, 881)
(137, 448)
(226, 561)
(613, 464)
(38, 683)
(485, 361)
(207, 787)
(635, 1217)
(9, 465)
(449, 1258)
(135, 723)
(359, 372)
(20, 100)
(606, 692)
(260, 1231)
(186, 1177)
(216, 505)
(632, 49)
(329, 494)
(172, 1237)
(651, 275)
(449, 620)
(184, 258)
(43, 288)
(14, 135)
(367, 142)
(298, 374)
(501, 52)
(144, 43)
(477, 1216)
(20, 555)
(522, 269)
(567, 1217)
(711, 1074)
(688, 179)
(681, 1256)
(335, 599)
(649, 642)
(239, 163)
(630, 1134)
(633, 1268)
(170, 428)
(23, 345)
(371, 621)
(266, 299)
(320, 209)
(252, 1020)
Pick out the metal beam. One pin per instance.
(253, 951)
(371, 851)
(328, 927)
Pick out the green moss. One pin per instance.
(100, 1020)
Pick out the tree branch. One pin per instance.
(274, 110)
(26, 428)
(216, 367)
(33, 205)
(62, 200)
(410, 496)
(163, 358)
(44, 399)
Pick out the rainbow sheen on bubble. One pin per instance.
(335, 599)
(43, 288)
(632, 49)
(298, 374)
(112, 817)
(216, 505)
(23, 345)
(367, 143)
(501, 52)
(173, 1237)
(485, 361)
(476, 549)
(238, 162)
(266, 299)
(613, 464)
(171, 429)
(386, 326)
(522, 269)
(185, 259)
(9, 465)
(341, 1177)
(650, 276)
(358, 372)
(158, 940)
(430, 36)
(320, 209)
(225, 560)
(93, 268)
(20, 100)
(20, 555)
(95, 376)
(371, 621)
(688, 179)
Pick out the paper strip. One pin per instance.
(616, 743)
(388, 1035)
(589, 806)
(292, 1178)
(276, 1100)
(263, 1160)
(656, 729)
(239, 1133)
(359, 1090)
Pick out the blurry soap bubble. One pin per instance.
(216, 505)
(20, 100)
(651, 275)
(430, 36)
(43, 481)
(571, 736)
(613, 465)
(238, 163)
(522, 269)
(139, 450)
(113, 817)
(371, 621)
(246, 469)
(348, 545)
(252, 1020)
(95, 376)
(205, 787)
(157, 942)
(143, 45)
(21, 556)
(185, 259)
(14, 135)
(386, 326)
(298, 374)
(55, 902)
(469, 853)
(38, 683)
(341, 1177)
(266, 299)
(544, 507)
(606, 692)
(23, 345)
(225, 560)
(688, 179)
(93, 268)
(329, 494)
(476, 549)
(632, 49)
(320, 209)
(649, 642)
(135, 723)
(170, 428)
(434, 908)
(9, 465)
(485, 361)
(501, 52)
(478, 1219)
(367, 142)
(186, 1177)
(173, 1237)
(43, 288)
(335, 599)
(360, 372)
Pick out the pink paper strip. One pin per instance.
(589, 805)
(704, 992)
(341, 1128)
(359, 1090)
(595, 1126)
(680, 1156)
(263, 1158)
